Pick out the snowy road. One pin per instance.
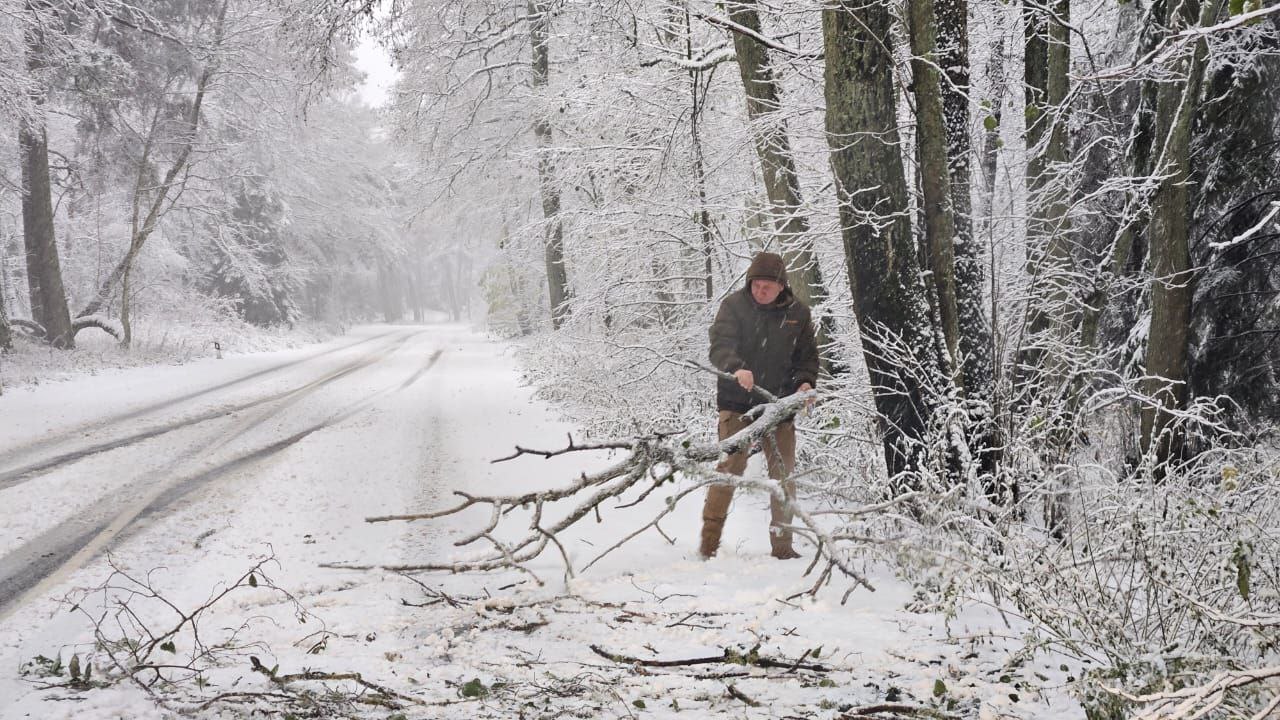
(197, 469)
(192, 440)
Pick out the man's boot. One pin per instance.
(711, 530)
(781, 516)
(714, 512)
(780, 542)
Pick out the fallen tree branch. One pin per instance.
(653, 461)
(30, 328)
(877, 712)
(95, 321)
(728, 656)
(572, 447)
(384, 697)
(739, 695)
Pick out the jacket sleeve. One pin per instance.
(724, 340)
(804, 359)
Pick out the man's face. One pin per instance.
(765, 291)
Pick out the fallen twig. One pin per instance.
(729, 656)
(877, 712)
(736, 693)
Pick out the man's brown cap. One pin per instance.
(768, 266)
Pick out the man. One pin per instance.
(763, 336)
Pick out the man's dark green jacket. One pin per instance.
(775, 342)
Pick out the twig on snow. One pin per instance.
(738, 694)
(728, 656)
(877, 712)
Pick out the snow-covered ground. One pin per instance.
(184, 478)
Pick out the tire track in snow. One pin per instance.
(48, 559)
(431, 362)
(18, 453)
(16, 476)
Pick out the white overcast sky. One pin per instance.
(375, 63)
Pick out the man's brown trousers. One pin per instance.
(780, 455)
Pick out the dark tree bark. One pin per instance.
(6, 331)
(975, 341)
(942, 140)
(1168, 245)
(1050, 315)
(1234, 346)
(1128, 249)
(866, 162)
(548, 182)
(931, 145)
(44, 272)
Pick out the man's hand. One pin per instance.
(806, 387)
(746, 379)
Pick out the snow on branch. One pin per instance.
(29, 327)
(1242, 237)
(1168, 47)
(1201, 700)
(106, 325)
(705, 61)
(764, 40)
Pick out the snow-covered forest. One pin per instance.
(1040, 241)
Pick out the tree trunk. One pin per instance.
(870, 182)
(557, 275)
(391, 291)
(412, 274)
(951, 47)
(1128, 245)
(701, 216)
(6, 330)
(44, 272)
(126, 317)
(1050, 314)
(931, 141)
(450, 265)
(994, 106)
(942, 119)
(773, 148)
(1170, 260)
(977, 354)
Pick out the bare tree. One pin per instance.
(548, 182)
(151, 199)
(44, 273)
(769, 134)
